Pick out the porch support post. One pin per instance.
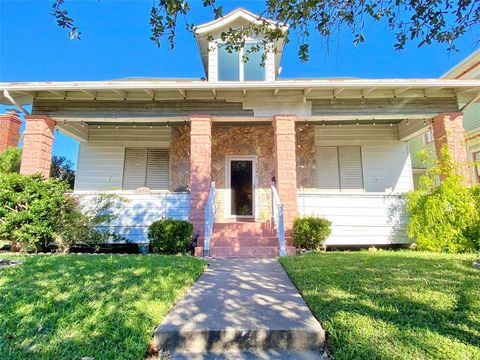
(37, 145)
(200, 169)
(448, 130)
(286, 166)
(9, 130)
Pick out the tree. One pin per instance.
(62, 168)
(422, 21)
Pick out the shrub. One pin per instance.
(170, 236)
(10, 160)
(443, 218)
(310, 232)
(40, 215)
(473, 232)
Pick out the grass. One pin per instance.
(102, 306)
(392, 305)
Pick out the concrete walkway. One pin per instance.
(244, 305)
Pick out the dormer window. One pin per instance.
(232, 68)
(222, 65)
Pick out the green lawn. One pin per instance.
(101, 306)
(393, 305)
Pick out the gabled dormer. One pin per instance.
(222, 65)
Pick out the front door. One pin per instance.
(241, 179)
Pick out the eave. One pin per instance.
(27, 92)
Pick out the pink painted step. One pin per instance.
(249, 251)
(245, 239)
(251, 229)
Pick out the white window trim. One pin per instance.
(228, 199)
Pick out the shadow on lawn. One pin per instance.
(393, 305)
(106, 307)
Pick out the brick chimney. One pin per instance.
(9, 130)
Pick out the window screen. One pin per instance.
(146, 167)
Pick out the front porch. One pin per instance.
(344, 158)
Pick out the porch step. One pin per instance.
(249, 251)
(244, 241)
(243, 229)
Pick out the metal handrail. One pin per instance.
(277, 209)
(209, 219)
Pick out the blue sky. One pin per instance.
(115, 44)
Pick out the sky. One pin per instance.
(115, 44)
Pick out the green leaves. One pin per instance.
(10, 160)
(63, 20)
(170, 236)
(40, 214)
(444, 218)
(310, 232)
(424, 22)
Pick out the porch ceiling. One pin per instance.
(142, 90)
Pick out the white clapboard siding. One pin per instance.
(100, 164)
(387, 168)
(355, 135)
(385, 160)
(358, 219)
(157, 169)
(327, 168)
(99, 167)
(350, 168)
(134, 216)
(157, 135)
(134, 171)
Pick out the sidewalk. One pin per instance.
(241, 305)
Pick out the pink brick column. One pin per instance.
(37, 145)
(9, 130)
(200, 170)
(448, 130)
(286, 166)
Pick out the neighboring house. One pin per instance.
(334, 147)
(467, 69)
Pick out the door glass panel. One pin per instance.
(241, 186)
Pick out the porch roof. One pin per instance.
(153, 89)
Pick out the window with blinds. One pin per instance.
(339, 168)
(146, 167)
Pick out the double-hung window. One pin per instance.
(339, 168)
(232, 68)
(146, 167)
